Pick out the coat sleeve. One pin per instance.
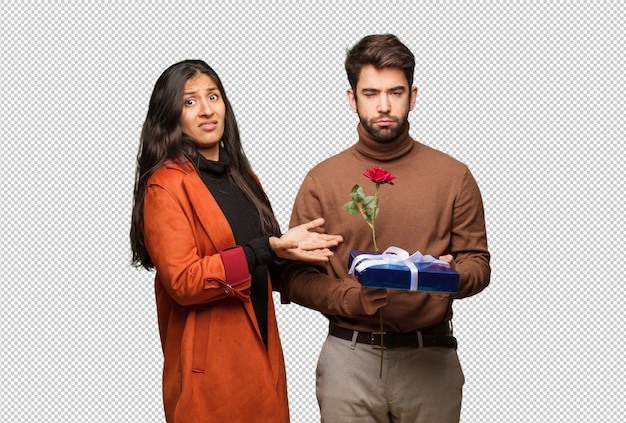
(189, 278)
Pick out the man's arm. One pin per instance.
(310, 285)
(469, 240)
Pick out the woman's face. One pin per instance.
(203, 113)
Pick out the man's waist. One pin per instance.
(436, 335)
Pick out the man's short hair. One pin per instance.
(381, 51)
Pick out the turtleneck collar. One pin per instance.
(391, 150)
(214, 168)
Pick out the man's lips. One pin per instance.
(385, 122)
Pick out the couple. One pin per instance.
(201, 219)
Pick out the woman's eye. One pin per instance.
(213, 97)
(190, 102)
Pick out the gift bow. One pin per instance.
(397, 256)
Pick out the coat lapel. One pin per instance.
(213, 222)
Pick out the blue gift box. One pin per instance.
(433, 277)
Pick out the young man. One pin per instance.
(435, 207)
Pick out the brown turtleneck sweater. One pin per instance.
(433, 207)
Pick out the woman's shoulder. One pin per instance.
(171, 173)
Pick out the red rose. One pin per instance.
(379, 175)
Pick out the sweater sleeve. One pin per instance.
(309, 284)
(259, 252)
(468, 242)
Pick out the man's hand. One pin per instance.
(448, 258)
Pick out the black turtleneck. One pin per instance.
(244, 221)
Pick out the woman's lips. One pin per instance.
(208, 126)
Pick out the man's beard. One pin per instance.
(384, 135)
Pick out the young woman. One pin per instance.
(201, 218)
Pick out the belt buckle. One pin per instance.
(379, 346)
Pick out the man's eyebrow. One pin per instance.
(375, 90)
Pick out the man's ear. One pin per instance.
(351, 100)
(413, 97)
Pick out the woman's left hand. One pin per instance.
(302, 243)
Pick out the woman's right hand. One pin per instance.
(301, 243)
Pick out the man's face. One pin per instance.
(382, 100)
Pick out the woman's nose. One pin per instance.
(206, 109)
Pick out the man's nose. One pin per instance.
(383, 104)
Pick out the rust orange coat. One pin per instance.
(216, 367)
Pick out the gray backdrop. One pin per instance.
(529, 94)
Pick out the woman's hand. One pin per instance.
(300, 243)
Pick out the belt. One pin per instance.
(439, 335)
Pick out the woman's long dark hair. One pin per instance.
(162, 140)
